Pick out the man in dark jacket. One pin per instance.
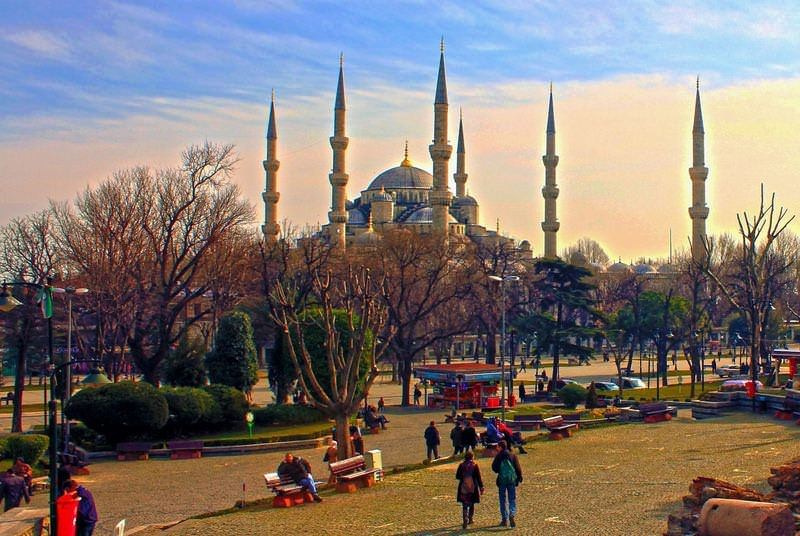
(509, 476)
(455, 437)
(14, 489)
(432, 440)
(87, 511)
(299, 470)
(469, 437)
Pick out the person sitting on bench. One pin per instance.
(373, 420)
(512, 438)
(492, 433)
(299, 470)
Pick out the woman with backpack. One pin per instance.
(509, 476)
(470, 487)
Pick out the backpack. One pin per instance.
(508, 474)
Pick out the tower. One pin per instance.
(550, 224)
(271, 165)
(338, 177)
(460, 176)
(698, 173)
(440, 153)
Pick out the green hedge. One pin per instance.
(190, 409)
(286, 414)
(29, 447)
(120, 411)
(232, 406)
(572, 394)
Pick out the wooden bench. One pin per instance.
(789, 411)
(287, 492)
(133, 451)
(8, 399)
(352, 474)
(527, 422)
(559, 429)
(655, 412)
(185, 450)
(572, 418)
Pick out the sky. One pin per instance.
(90, 87)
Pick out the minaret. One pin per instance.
(550, 191)
(460, 176)
(271, 165)
(440, 153)
(698, 212)
(338, 177)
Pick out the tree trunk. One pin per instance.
(19, 389)
(345, 445)
(491, 348)
(405, 377)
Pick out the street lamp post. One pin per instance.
(70, 292)
(502, 280)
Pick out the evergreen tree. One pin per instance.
(186, 364)
(232, 362)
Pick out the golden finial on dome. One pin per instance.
(406, 162)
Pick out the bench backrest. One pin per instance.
(528, 418)
(133, 447)
(273, 480)
(185, 444)
(653, 406)
(556, 420)
(349, 465)
(573, 417)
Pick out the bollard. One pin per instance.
(734, 517)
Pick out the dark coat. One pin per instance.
(297, 470)
(465, 469)
(87, 511)
(469, 436)
(432, 436)
(14, 489)
(498, 459)
(455, 436)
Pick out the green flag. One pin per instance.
(46, 301)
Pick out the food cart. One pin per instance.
(464, 385)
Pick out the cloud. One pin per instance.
(40, 42)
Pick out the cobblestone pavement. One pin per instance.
(620, 480)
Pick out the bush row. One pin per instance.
(286, 414)
(126, 410)
(30, 447)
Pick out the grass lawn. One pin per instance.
(26, 408)
(268, 434)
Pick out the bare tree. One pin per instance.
(762, 270)
(346, 344)
(590, 249)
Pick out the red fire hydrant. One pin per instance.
(67, 514)
(750, 385)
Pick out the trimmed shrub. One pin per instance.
(231, 407)
(186, 366)
(233, 359)
(572, 394)
(120, 411)
(30, 447)
(286, 414)
(83, 436)
(189, 408)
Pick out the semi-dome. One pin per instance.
(402, 176)
(619, 267)
(356, 217)
(643, 269)
(465, 201)
(425, 215)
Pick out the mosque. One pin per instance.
(407, 197)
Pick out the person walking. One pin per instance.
(521, 392)
(470, 488)
(417, 394)
(455, 437)
(509, 476)
(381, 405)
(14, 489)
(331, 456)
(432, 440)
(299, 470)
(87, 510)
(469, 437)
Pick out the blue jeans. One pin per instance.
(511, 489)
(308, 483)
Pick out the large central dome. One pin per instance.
(402, 176)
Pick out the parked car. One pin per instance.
(738, 385)
(728, 371)
(606, 386)
(564, 381)
(630, 383)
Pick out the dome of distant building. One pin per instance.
(425, 215)
(666, 269)
(619, 268)
(465, 201)
(356, 217)
(402, 176)
(596, 267)
(643, 269)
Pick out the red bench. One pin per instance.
(655, 412)
(287, 492)
(185, 450)
(133, 451)
(352, 474)
(558, 427)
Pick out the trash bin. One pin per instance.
(751, 388)
(67, 514)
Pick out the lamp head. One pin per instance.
(7, 301)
